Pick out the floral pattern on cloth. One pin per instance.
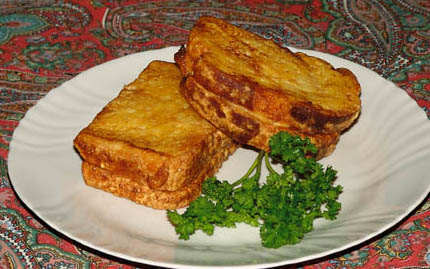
(45, 43)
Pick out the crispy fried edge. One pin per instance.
(244, 126)
(137, 192)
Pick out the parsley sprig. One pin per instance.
(284, 208)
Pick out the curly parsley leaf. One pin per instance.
(284, 208)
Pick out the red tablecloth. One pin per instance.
(44, 43)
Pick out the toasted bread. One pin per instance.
(149, 136)
(242, 124)
(247, 73)
(136, 191)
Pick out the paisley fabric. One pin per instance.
(46, 42)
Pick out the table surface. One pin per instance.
(45, 43)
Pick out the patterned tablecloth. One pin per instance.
(44, 43)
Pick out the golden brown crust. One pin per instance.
(292, 91)
(138, 192)
(145, 165)
(245, 126)
(150, 134)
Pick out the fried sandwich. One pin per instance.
(250, 88)
(149, 145)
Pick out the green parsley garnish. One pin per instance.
(284, 208)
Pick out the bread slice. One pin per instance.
(151, 144)
(253, 82)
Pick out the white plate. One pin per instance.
(382, 162)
